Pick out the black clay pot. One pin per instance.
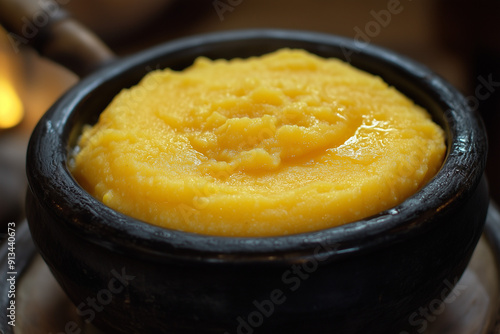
(370, 276)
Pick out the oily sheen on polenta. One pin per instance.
(273, 145)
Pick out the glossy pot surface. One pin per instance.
(369, 276)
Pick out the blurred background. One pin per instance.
(457, 39)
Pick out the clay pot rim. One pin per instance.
(55, 189)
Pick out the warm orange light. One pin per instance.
(11, 108)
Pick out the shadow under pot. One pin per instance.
(368, 276)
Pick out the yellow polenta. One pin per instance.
(273, 145)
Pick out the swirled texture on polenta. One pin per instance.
(273, 145)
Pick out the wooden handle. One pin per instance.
(50, 30)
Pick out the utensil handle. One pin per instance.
(50, 30)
